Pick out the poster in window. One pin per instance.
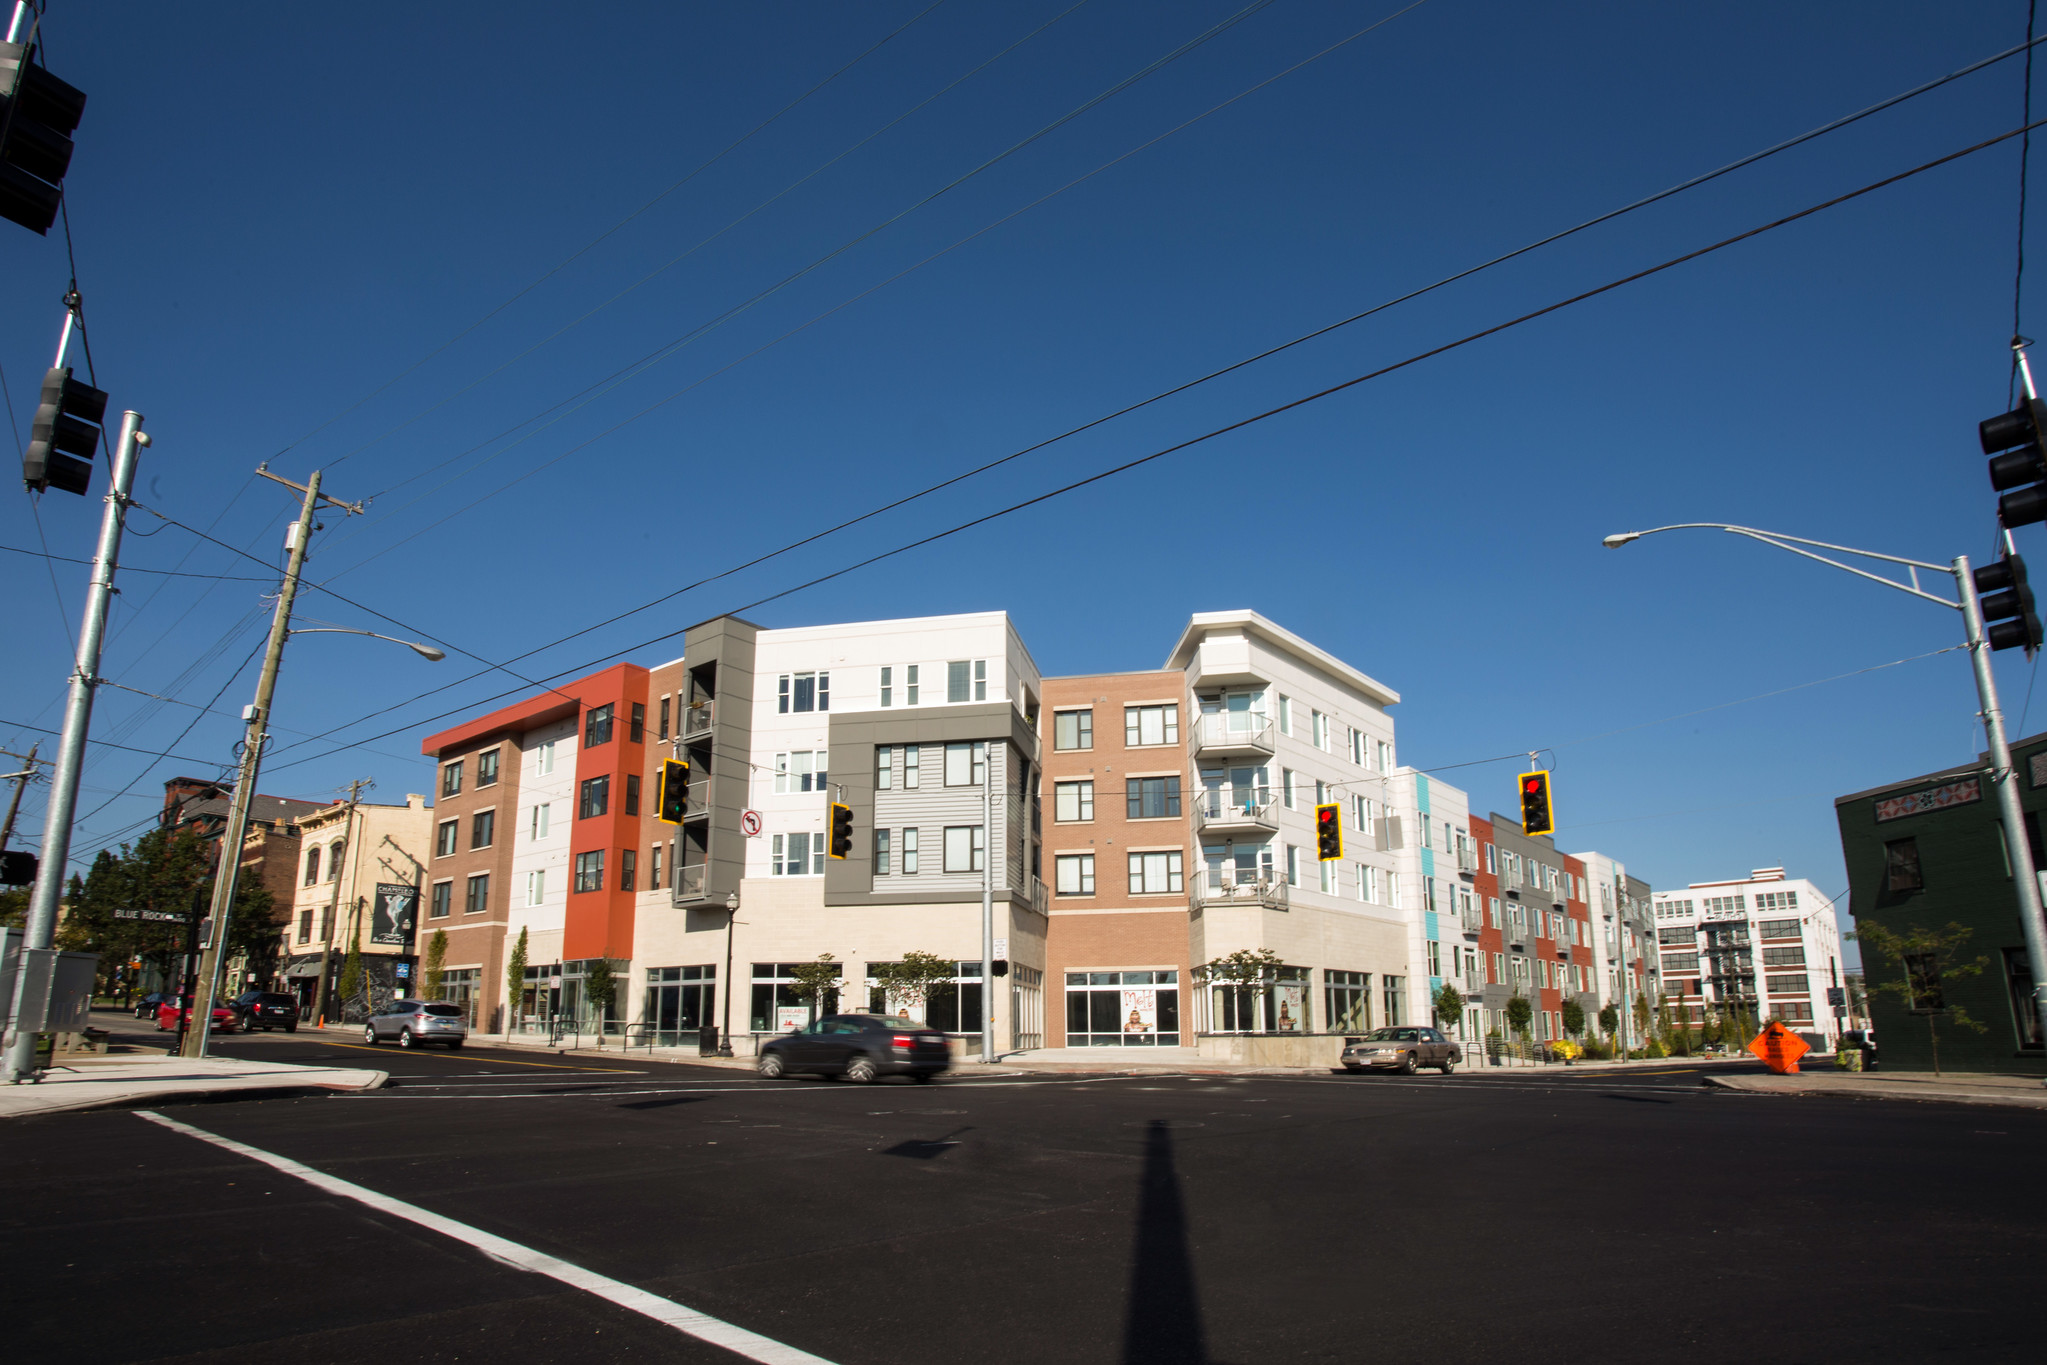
(1141, 1011)
(790, 1018)
(1291, 1001)
(393, 917)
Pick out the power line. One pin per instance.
(132, 568)
(1269, 413)
(2018, 277)
(585, 249)
(126, 748)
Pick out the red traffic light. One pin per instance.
(1537, 817)
(1329, 832)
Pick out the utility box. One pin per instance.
(56, 991)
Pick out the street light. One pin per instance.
(731, 918)
(2024, 877)
(424, 651)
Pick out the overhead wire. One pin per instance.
(1275, 411)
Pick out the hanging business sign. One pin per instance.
(394, 915)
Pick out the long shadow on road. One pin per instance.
(1163, 1322)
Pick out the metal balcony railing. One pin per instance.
(1225, 807)
(1229, 887)
(1467, 858)
(1233, 733)
(699, 798)
(690, 881)
(696, 719)
(1473, 919)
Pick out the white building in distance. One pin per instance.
(1768, 944)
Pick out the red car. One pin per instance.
(167, 1016)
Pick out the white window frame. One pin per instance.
(536, 887)
(543, 757)
(1318, 725)
(1286, 714)
(543, 812)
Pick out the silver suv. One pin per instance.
(415, 1023)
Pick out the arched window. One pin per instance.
(334, 861)
(312, 864)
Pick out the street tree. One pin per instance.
(1519, 1013)
(815, 980)
(1574, 1018)
(600, 988)
(1244, 972)
(515, 982)
(1449, 1004)
(436, 955)
(352, 981)
(908, 984)
(1926, 960)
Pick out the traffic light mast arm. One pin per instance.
(1791, 543)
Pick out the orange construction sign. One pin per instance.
(1779, 1048)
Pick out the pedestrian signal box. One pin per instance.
(1537, 816)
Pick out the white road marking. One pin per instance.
(688, 1321)
(409, 1092)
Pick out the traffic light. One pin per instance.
(673, 799)
(2019, 461)
(842, 830)
(1536, 815)
(2008, 617)
(38, 113)
(17, 868)
(66, 425)
(1329, 832)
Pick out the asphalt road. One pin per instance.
(1535, 1215)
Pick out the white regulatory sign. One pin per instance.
(750, 823)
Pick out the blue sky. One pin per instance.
(278, 211)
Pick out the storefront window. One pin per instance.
(777, 1007)
(1123, 1009)
(680, 1000)
(953, 1006)
(1279, 1005)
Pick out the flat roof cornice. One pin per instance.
(1204, 623)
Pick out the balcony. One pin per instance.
(1220, 810)
(1220, 733)
(1467, 859)
(1473, 920)
(696, 720)
(689, 881)
(1040, 898)
(1227, 886)
(699, 793)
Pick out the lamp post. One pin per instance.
(2024, 876)
(731, 918)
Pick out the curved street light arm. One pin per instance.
(1791, 543)
(425, 651)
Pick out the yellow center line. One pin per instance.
(495, 1061)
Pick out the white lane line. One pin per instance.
(688, 1321)
(409, 1092)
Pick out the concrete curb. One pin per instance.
(68, 1091)
(1942, 1093)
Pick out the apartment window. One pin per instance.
(590, 871)
(1156, 874)
(540, 814)
(796, 855)
(1152, 798)
(884, 767)
(1778, 928)
(1680, 962)
(910, 684)
(1073, 801)
(966, 680)
(1368, 883)
(1394, 999)
(1385, 757)
(536, 887)
(910, 852)
(804, 692)
(312, 865)
(963, 848)
(632, 793)
(476, 899)
(1287, 795)
(596, 797)
(888, 686)
(306, 929)
(487, 768)
(664, 718)
(1787, 985)
(1293, 865)
(1286, 714)
(1393, 891)
(911, 755)
(800, 771)
(1151, 725)
(1073, 729)
(543, 757)
(439, 901)
(1901, 866)
(451, 779)
(966, 765)
(1318, 724)
(1493, 906)
(483, 828)
(1435, 958)
(1328, 878)
(636, 727)
(654, 868)
(1357, 747)
(881, 859)
(1074, 874)
(444, 839)
(1421, 825)
(597, 726)
(628, 868)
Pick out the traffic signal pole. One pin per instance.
(40, 930)
(2002, 777)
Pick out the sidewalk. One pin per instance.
(127, 1082)
(2014, 1092)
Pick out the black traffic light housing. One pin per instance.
(67, 424)
(842, 829)
(672, 801)
(38, 114)
(1536, 815)
(17, 868)
(2009, 621)
(1329, 832)
(2018, 467)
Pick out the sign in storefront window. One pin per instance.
(1123, 1009)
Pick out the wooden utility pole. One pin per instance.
(21, 781)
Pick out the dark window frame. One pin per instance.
(593, 797)
(597, 723)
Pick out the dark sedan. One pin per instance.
(860, 1047)
(266, 1010)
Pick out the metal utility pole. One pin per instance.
(257, 719)
(988, 901)
(40, 929)
(21, 781)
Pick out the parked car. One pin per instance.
(416, 1023)
(169, 1013)
(860, 1047)
(266, 1010)
(1406, 1050)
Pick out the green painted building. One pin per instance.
(1928, 851)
